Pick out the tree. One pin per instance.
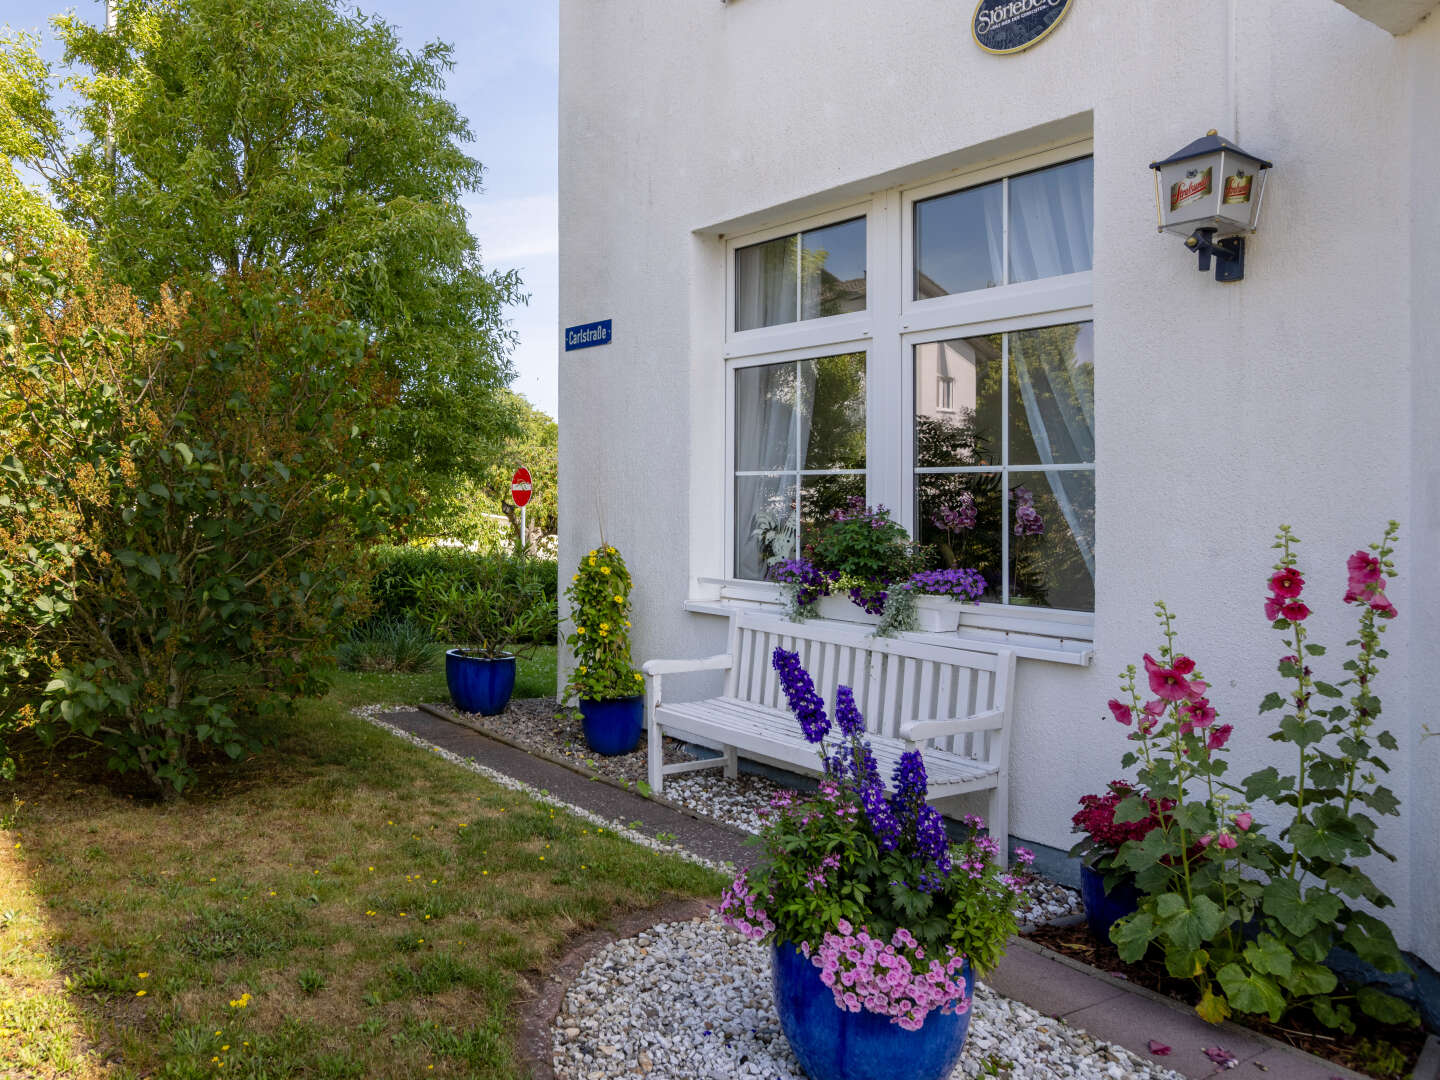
(226, 136)
(28, 132)
(186, 489)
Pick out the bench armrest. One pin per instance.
(920, 730)
(722, 662)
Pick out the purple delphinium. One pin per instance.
(931, 839)
(962, 582)
(911, 785)
(847, 715)
(878, 814)
(800, 692)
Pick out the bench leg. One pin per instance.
(732, 763)
(1000, 819)
(654, 737)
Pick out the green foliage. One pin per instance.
(28, 128)
(185, 494)
(300, 136)
(488, 610)
(392, 645)
(864, 546)
(407, 578)
(599, 595)
(1209, 871)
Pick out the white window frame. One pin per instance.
(892, 323)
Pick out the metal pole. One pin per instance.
(523, 543)
(112, 21)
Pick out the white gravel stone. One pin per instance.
(691, 1001)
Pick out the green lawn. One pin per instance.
(342, 905)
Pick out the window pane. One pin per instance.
(765, 283)
(821, 496)
(833, 259)
(1052, 395)
(1052, 221)
(958, 517)
(958, 238)
(765, 402)
(834, 398)
(765, 523)
(1052, 539)
(967, 432)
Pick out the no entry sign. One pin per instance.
(520, 486)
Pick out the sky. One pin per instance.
(505, 81)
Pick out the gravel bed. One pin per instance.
(537, 723)
(692, 1001)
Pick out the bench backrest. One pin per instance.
(894, 680)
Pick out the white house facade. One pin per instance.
(845, 251)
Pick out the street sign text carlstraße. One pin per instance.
(587, 334)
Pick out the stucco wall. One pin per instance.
(1220, 410)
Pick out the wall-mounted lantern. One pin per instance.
(1210, 193)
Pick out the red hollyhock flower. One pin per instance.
(1366, 580)
(1295, 611)
(1381, 605)
(1219, 736)
(1287, 583)
(1120, 711)
(1272, 608)
(1170, 683)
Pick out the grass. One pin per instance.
(342, 905)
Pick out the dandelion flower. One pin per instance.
(139, 993)
(143, 975)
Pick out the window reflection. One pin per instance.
(807, 275)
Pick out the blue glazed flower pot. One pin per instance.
(613, 727)
(833, 1044)
(479, 685)
(1102, 909)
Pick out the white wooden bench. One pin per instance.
(953, 704)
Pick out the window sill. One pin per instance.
(1066, 640)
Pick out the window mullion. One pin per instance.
(1005, 467)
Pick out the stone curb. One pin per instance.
(443, 713)
(1427, 1068)
(536, 1014)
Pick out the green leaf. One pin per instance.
(150, 565)
(1387, 740)
(1132, 936)
(1182, 964)
(1252, 992)
(1373, 942)
(1188, 926)
(1132, 808)
(1301, 734)
(1382, 800)
(1264, 784)
(1271, 700)
(1307, 979)
(1386, 1008)
(1327, 690)
(1283, 901)
(1318, 842)
(643, 788)
(1315, 650)
(185, 452)
(1266, 955)
(1213, 1008)
(1333, 1015)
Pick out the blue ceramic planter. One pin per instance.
(613, 727)
(833, 1044)
(478, 685)
(1102, 909)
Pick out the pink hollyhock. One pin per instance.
(1243, 821)
(1155, 707)
(1366, 580)
(1183, 665)
(1120, 711)
(1287, 583)
(1381, 605)
(1219, 736)
(1205, 840)
(1226, 841)
(1170, 683)
(1295, 611)
(1199, 714)
(1272, 608)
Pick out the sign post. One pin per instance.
(520, 487)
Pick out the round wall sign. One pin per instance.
(1007, 26)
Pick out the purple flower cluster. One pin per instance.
(856, 510)
(880, 816)
(847, 715)
(741, 911)
(1028, 521)
(800, 692)
(872, 603)
(911, 786)
(891, 979)
(962, 582)
(808, 580)
(954, 518)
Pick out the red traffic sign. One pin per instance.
(520, 486)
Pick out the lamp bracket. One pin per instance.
(1229, 254)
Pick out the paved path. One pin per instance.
(1106, 1007)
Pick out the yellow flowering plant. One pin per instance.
(599, 595)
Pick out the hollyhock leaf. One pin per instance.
(1213, 1008)
(1328, 690)
(1387, 740)
(1185, 965)
(1131, 809)
(1382, 800)
(1315, 650)
(1302, 734)
(1332, 1015)
(1159, 1049)
(1307, 979)
(1282, 902)
(1266, 955)
(1371, 940)
(1385, 1008)
(1194, 817)
(1132, 936)
(1350, 881)
(1272, 701)
(1263, 784)
(1251, 992)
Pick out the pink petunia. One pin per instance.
(1120, 711)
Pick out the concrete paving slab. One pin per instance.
(1047, 985)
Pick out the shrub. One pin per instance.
(487, 610)
(389, 645)
(403, 575)
(185, 495)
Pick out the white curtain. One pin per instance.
(772, 426)
(1064, 377)
(1052, 215)
(765, 283)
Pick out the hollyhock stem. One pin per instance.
(1167, 651)
(1302, 695)
(1366, 667)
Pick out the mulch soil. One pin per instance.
(1300, 1031)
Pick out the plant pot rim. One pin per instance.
(464, 654)
(610, 700)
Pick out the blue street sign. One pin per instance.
(587, 334)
